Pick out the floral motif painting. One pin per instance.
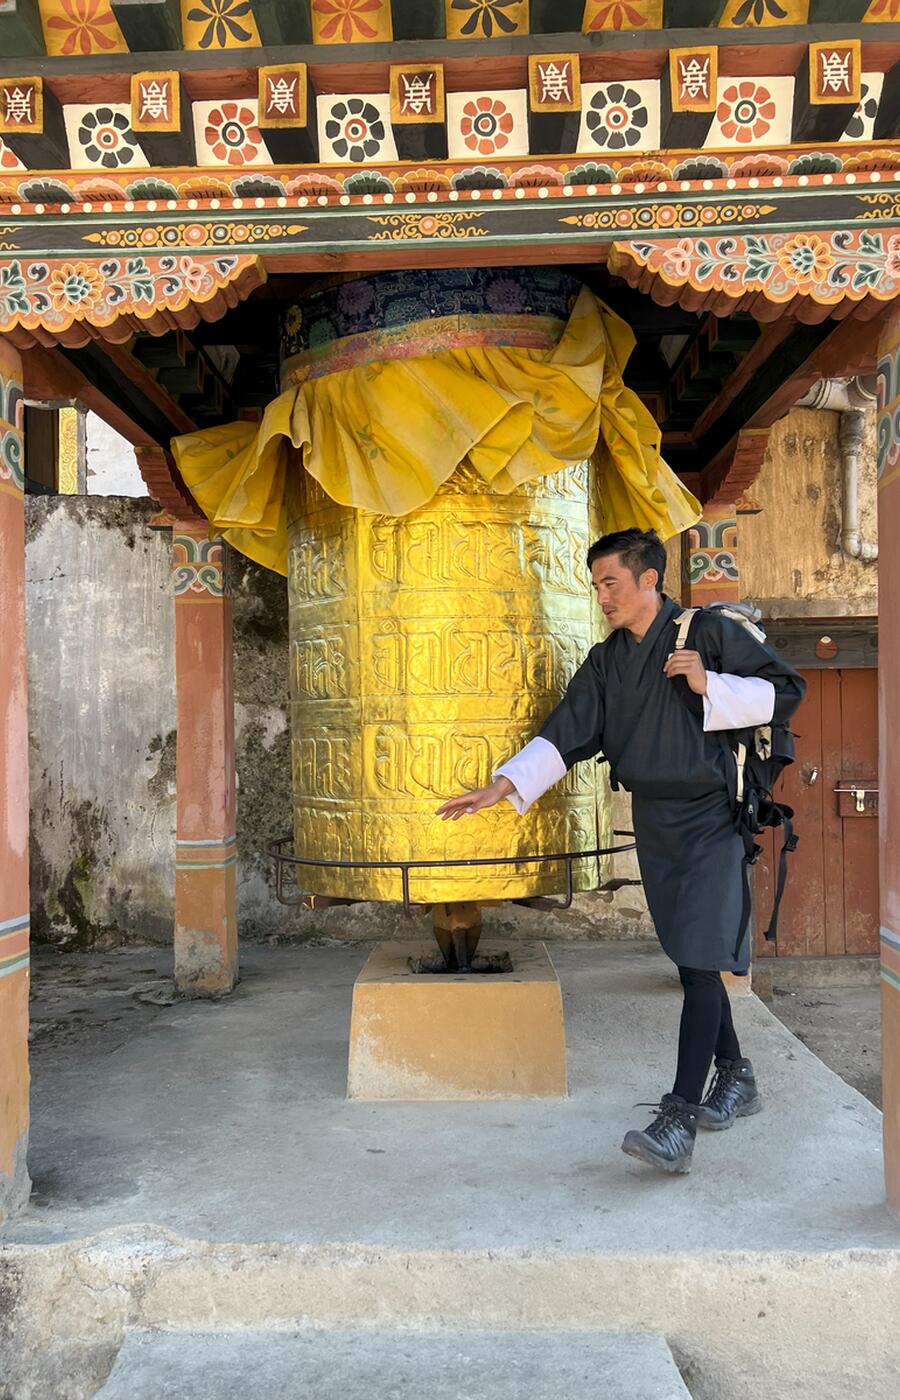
(218, 24)
(622, 14)
(619, 116)
(828, 267)
(350, 21)
(751, 110)
(101, 138)
(227, 133)
(487, 124)
(356, 127)
(486, 19)
(56, 293)
(75, 27)
(763, 14)
(8, 159)
(862, 124)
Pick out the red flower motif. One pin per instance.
(85, 22)
(892, 258)
(486, 125)
(745, 112)
(347, 18)
(618, 14)
(232, 134)
(680, 258)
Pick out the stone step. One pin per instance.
(389, 1365)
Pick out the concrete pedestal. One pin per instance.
(457, 1035)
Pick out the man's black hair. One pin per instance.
(638, 550)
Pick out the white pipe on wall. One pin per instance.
(850, 398)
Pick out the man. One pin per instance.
(666, 748)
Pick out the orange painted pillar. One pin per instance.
(14, 896)
(711, 560)
(205, 915)
(889, 738)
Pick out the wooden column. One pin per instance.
(711, 559)
(205, 917)
(14, 895)
(889, 738)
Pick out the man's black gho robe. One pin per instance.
(620, 703)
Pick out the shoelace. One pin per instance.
(725, 1080)
(668, 1115)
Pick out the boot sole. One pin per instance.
(637, 1150)
(746, 1111)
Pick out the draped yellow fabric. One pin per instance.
(384, 436)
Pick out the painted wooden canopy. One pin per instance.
(725, 172)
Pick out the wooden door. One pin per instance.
(831, 901)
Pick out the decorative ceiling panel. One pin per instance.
(74, 28)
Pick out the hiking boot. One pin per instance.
(668, 1142)
(732, 1094)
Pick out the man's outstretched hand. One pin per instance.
(690, 665)
(488, 796)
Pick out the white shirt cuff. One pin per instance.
(532, 771)
(737, 702)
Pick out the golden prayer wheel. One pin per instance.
(427, 647)
(424, 651)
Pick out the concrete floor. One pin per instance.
(227, 1121)
(197, 1166)
(842, 1026)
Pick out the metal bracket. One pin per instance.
(283, 861)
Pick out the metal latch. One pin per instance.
(859, 795)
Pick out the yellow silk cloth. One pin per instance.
(384, 436)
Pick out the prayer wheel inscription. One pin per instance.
(425, 649)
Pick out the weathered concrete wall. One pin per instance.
(102, 721)
(790, 556)
(112, 468)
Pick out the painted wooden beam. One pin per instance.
(418, 110)
(283, 21)
(746, 57)
(687, 97)
(692, 14)
(887, 120)
(554, 102)
(161, 118)
(116, 379)
(31, 123)
(837, 11)
(556, 16)
(287, 113)
(423, 19)
(149, 25)
(21, 34)
(819, 113)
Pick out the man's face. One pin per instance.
(623, 598)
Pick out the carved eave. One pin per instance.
(62, 302)
(807, 276)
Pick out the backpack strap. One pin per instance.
(740, 754)
(790, 844)
(683, 624)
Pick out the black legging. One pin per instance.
(706, 1030)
